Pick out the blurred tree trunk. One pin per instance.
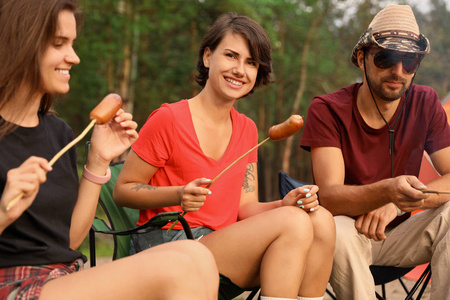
(129, 64)
(110, 75)
(271, 169)
(263, 172)
(194, 49)
(302, 81)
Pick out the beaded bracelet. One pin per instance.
(95, 178)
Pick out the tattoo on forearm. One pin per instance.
(140, 186)
(249, 177)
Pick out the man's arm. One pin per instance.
(441, 162)
(340, 199)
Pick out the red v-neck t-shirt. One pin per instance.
(169, 142)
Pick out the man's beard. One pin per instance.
(386, 93)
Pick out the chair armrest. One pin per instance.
(100, 225)
(157, 221)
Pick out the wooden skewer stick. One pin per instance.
(54, 159)
(435, 192)
(232, 164)
(220, 174)
(70, 145)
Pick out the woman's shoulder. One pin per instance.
(169, 110)
(181, 105)
(243, 123)
(241, 118)
(53, 119)
(54, 123)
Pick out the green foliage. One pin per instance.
(435, 25)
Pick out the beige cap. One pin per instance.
(394, 28)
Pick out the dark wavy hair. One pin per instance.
(27, 28)
(257, 39)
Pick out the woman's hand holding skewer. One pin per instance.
(25, 179)
(111, 139)
(193, 195)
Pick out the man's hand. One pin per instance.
(373, 224)
(405, 193)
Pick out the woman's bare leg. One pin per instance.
(320, 258)
(269, 249)
(177, 270)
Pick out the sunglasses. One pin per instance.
(386, 59)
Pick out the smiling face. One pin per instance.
(232, 69)
(59, 56)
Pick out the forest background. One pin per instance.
(146, 51)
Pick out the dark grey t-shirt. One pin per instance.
(41, 235)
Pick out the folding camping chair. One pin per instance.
(381, 274)
(122, 220)
(121, 224)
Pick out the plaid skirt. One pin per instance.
(26, 282)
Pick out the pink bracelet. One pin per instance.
(95, 178)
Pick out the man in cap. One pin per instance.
(366, 142)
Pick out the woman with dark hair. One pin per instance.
(41, 232)
(285, 249)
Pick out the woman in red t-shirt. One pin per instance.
(286, 250)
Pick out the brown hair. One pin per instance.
(27, 28)
(258, 42)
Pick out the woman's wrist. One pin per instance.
(5, 220)
(98, 179)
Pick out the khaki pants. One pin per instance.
(424, 237)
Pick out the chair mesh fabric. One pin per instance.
(287, 183)
(122, 223)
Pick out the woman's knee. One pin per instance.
(202, 269)
(200, 255)
(324, 226)
(185, 262)
(196, 254)
(295, 222)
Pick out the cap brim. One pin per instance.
(393, 43)
(403, 45)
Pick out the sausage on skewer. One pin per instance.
(101, 114)
(284, 130)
